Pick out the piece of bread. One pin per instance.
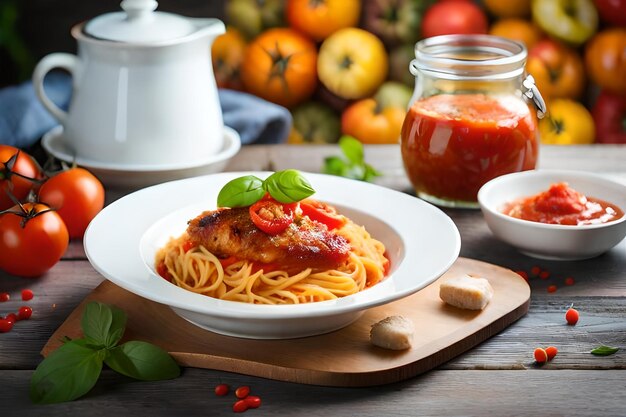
(393, 332)
(466, 291)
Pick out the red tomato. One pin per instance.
(454, 16)
(13, 171)
(322, 213)
(612, 11)
(76, 195)
(270, 216)
(32, 240)
(609, 114)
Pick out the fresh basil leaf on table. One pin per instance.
(141, 360)
(604, 350)
(68, 373)
(103, 325)
(353, 164)
(73, 369)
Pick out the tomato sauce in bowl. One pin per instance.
(452, 144)
(561, 204)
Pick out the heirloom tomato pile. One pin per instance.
(341, 66)
(41, 211)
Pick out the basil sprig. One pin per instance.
(73, 369)
(288, 186)
(353, 164)
(604, 350)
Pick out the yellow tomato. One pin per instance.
(369, 123)
(568, 123)
(352, 63)
(509, 8)
(517, 30)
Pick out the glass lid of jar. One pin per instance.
(139, 23)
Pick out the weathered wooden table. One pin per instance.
(498, 377)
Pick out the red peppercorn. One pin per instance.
(544, 275)
(522, 274)
(569, 281)
(253, 401)
(11, 317)
(551, 351)
(4, 296)
(240, 406)
(540, 355)
(5, 325)
(221, 390)
(27, 295)
(535, 270)
(242, 392)
(571, 315)
(552, 288)
(24, 313)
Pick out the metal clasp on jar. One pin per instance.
(532, 93)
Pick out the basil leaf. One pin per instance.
(352, 149)
(67, 373)
(353, 166)
(142, 360)
(604, 351)
(241, 192)
(334, 165)
(288, 186)
(103, 325)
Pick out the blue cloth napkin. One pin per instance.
(23, 119)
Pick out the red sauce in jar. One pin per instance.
(453, 144)
(561, 204)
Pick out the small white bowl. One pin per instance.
(552, 241)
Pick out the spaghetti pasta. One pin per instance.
(196, 269)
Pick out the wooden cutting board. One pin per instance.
(341, 358)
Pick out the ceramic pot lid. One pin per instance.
(139, 23)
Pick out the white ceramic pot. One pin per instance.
(143, 88)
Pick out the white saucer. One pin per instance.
(130, 176)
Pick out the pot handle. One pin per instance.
(68, 62)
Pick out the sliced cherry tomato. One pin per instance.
(32, 239)
(77, 195)
(163, 272)
(226, 262)
(322, 213)
(271, 216)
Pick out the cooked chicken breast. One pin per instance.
(305, 243)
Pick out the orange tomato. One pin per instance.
(369, 123)
(227, 55)
(319, 19)
(518, 30)
(605, 59)
(558, 70)
(280, 65)
(509, 8)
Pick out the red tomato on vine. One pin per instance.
(77, 196)
(33, 238)
(18, 175)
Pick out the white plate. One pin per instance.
(422, 243)
(138, 176)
